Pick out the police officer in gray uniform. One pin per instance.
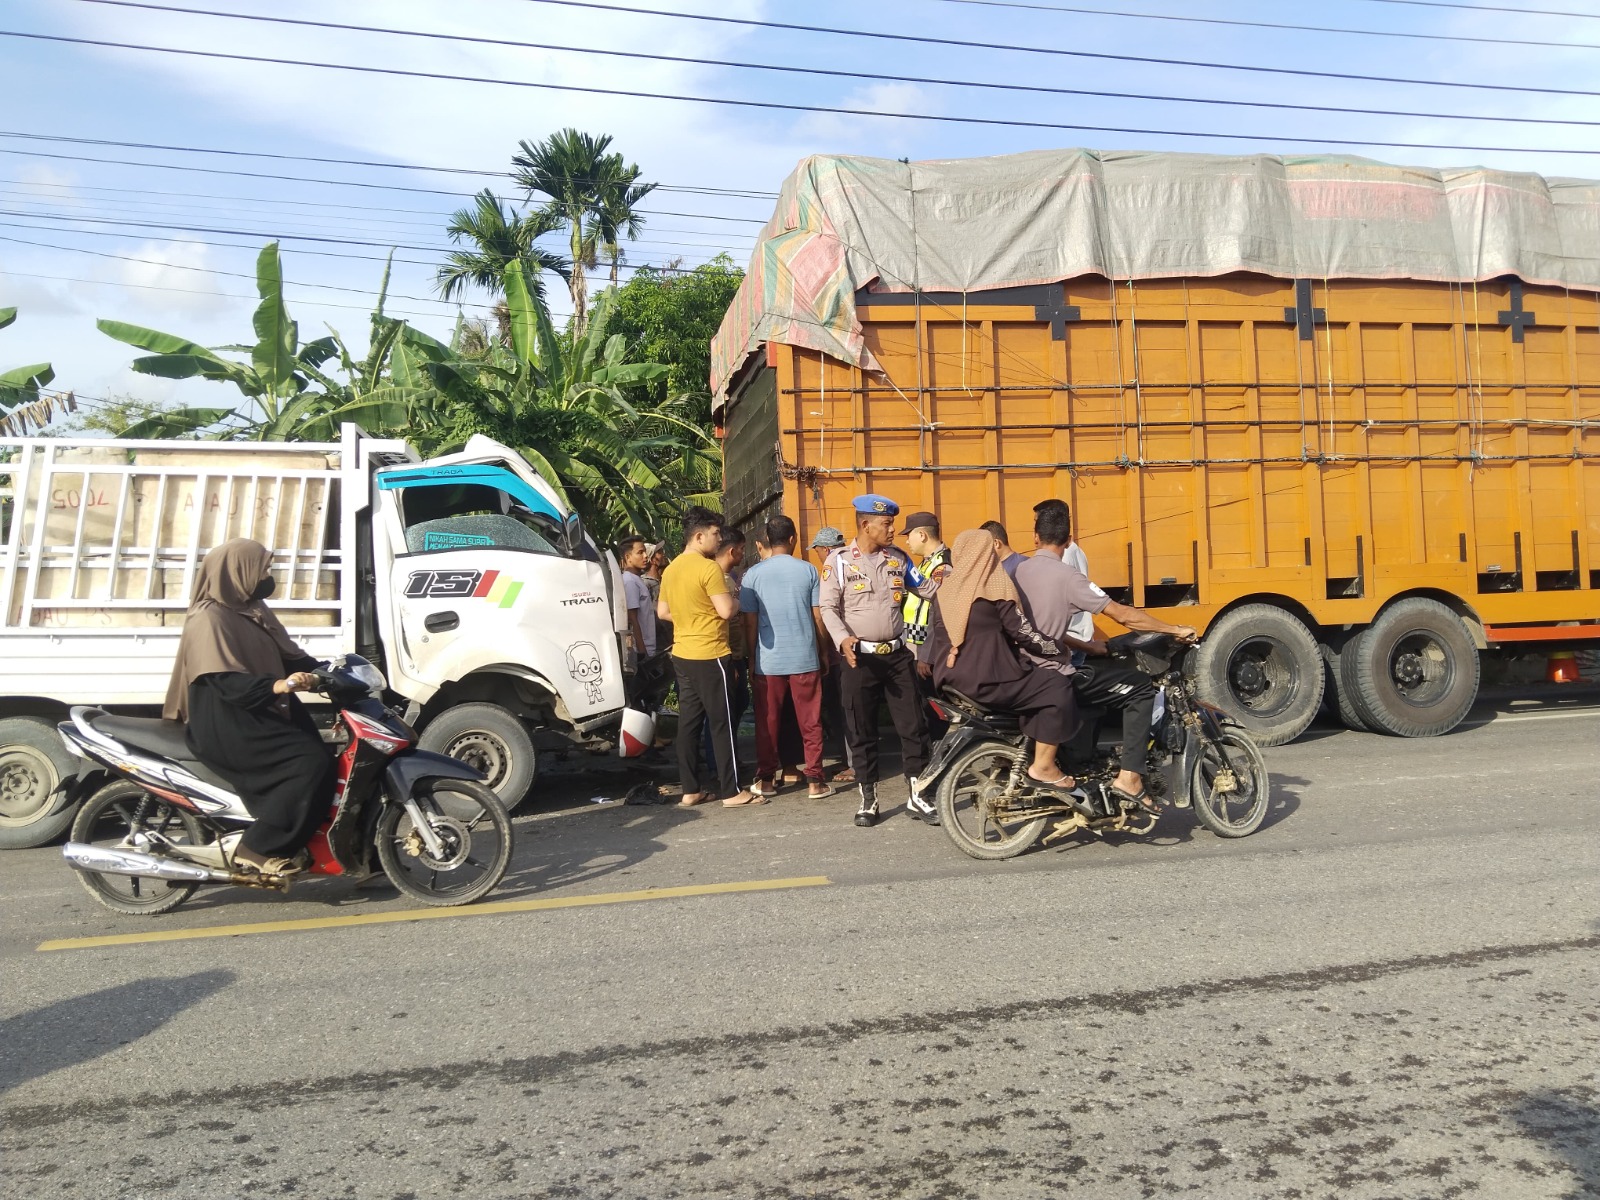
(864, 588)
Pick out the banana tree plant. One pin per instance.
(565, 408)
(23, 406)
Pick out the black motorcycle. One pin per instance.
(991, 809)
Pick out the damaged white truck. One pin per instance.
(465, 577)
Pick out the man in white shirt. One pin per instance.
(634, 557)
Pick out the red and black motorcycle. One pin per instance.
(168, 825)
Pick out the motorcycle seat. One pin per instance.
(995, 717)
(165, 738)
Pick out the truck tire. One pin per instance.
(1261, 666)
(1413, 672)
(491, 739)
(1336, 692)
(35, 772)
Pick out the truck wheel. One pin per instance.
(35, 770)
(490, 739)
(1337, 693)
(1261, 666)
(1413, 672)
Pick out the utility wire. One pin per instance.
(839, 110)
(256, 245)
(355, 183)
(1150, 16)
(1055, 50)
(156, 262)
(741, 193)
(27, 190)
(873, 76)
(1523, 12)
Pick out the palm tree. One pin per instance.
(581, 181)
(618, 214)
(494, 238)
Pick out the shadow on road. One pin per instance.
(568, 852)
(78, 1030)
(1566, 1122)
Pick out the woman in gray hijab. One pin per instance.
(233, 684)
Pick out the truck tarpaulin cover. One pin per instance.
(965, 225)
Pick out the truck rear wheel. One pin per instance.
(1413, 672)
(1262, 667)
(1337, 692)
(35, 770)
(490, 739)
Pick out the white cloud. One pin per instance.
(176, 277)
(883, 137)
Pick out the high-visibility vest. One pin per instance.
(916, 609)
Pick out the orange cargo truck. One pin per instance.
(1342, 416)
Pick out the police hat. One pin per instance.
(875, 506)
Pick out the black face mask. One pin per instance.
(264, 589)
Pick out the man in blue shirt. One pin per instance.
(785, 635)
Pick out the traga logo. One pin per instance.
(463, 585)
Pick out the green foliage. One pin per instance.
(561, 400)
(592, 192)
(22, 408)
(670, 318)
(492, 238)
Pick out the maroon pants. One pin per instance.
(805, 692)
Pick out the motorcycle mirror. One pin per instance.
(572, 533)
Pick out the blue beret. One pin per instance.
(875, 505)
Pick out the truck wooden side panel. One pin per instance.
(1335, 444)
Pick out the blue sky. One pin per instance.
(186, 286)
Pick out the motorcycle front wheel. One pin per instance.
(475, 835)
(967, 803)
(109, 818)
(1230, 788)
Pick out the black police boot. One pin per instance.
(867, 814)
(919, 808)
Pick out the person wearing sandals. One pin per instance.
(835, 730)
(976, 638)
(696, 599)
(1055, 594)
(780, 601)
(233, 685)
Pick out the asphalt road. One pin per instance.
(1389, 991)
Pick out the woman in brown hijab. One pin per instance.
(233, 684)
(975, 630)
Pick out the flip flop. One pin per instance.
(760, 789)
(702, 798)
(847, 775)
(827, 790)
(1142, 800)
(755, 798)
(1064, 785)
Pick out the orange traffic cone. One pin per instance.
(1562, 667)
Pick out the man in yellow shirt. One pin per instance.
(695, 597)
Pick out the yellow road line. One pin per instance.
(428, 914)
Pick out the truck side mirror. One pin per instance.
(572, 533)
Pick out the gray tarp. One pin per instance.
(964, 225)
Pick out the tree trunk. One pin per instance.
(580, 294)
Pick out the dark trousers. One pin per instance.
(704, 685)
(738, 701)
(774, 696)
(1107, 684)
(835, 724)
(891, 679)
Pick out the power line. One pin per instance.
(1056, 50)
(156, 262)
(1524, 12)
(29, 191)
(355, 183)
(838, 110)
(872, 76)
(1149, 16)
(740, 193)
(255, 245)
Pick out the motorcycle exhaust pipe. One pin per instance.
(107, 860)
